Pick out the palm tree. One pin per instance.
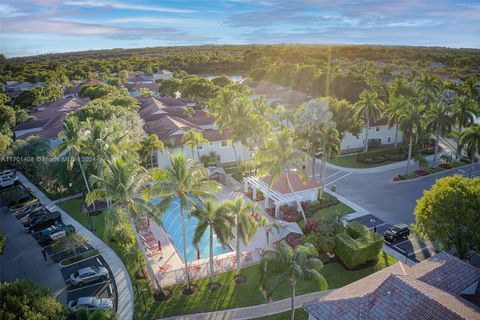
(188, 139)
(427, 87)
(440, 122)
(123, 181)
(185, 181)
(330, 142)
(471, 137)
(268, 226)
(280, 152)
(410, 118)
(219, 223)
(471, 89)
(150, 144)
(246, 226)
(392, 112)
(73, 137)
(464, 111)
(369, 108)
(287, 265)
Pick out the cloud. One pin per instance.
(152, 20)
(7, 10)
(124, 6)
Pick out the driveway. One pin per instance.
(393, 202)
(22, 258)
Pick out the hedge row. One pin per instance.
(357, 245)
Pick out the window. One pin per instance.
(377, 129)
(200, 147)
(211, 143)
(389, 140)
(224, 143)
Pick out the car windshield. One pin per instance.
(74, 303)
(75, 274)
(95, 269)
(394, 229)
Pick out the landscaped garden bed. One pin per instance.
(429, 170)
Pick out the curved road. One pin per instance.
(124, 285)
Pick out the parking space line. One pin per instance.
(332, 175)
(339, 178)
(95, 284)
(397, 244)
(378, 225)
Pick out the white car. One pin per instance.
(7, 181)
(90, 304)
(88, 274)
(7, 173)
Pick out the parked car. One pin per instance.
(28, 215)
(53, 233)
(8, 173)
(396, 232)
(88, 274)
(7, 181)
(15, 204)
(44, 222)
(90, 304)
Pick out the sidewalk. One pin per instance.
(122, 279)
(254, 312)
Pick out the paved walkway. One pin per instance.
(122, 279)
(255, 311)
(22, 258)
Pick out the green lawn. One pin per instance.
(323, 214)
(351, 162)
(229, 295)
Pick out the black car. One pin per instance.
(20, 201)
(44, 222)
(28, 216)
(52, 233)
(396, 232)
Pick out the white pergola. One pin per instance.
(278, 198)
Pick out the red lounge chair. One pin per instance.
(153, 252)
(165, 268)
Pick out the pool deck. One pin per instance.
(173, 267)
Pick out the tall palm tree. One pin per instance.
(199, 140)
(219, 222)
(464, 111)
(188, 140)
(280, 152)
(287, 265)
(369, 108)
(330, 142)
(440, 122)
(245, 224)
(411, 122)
(186, 182)
(471, 88)
(471, 138)
(124, 179)
(427, 87)
(150, 144)
(73, 144)
(392, 112)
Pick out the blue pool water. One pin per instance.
(172, 224)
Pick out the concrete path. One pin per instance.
(122, 279)
(22, 258)
(254, 312)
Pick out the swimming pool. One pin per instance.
(172, 224)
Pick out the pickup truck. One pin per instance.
(53, 233)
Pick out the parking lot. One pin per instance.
(413, 247)
(99, 288)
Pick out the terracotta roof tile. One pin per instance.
(281, 183)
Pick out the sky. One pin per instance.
(29, 27)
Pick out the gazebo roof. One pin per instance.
(281, 184)
(277, 197)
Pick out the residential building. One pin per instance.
(379, 133)
(162, 75)
(49, 119)
(135, 88)
(441, 287)
(14, 88)
(169, 119)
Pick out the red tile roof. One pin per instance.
(281, 183)
(397, 292)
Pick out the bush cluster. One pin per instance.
(312, 207)
(383, 155)
(357, 245)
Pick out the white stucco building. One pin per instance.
(379, 131)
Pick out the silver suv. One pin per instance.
(88, 274)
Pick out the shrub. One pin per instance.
(421, 172)
(2, 242)
(398, 178)
(445, 166)
(312, 207)
(357, 245)
(311, 226)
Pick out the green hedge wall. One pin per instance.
(357, 245)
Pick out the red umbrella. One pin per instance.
(159, 245)
(198, 254)
(148, 223)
